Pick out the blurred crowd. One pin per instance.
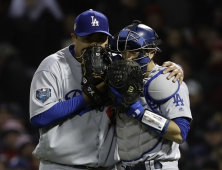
(190, 30)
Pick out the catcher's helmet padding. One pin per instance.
(134, 37)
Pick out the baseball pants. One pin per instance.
(45, 165)
(155, 165)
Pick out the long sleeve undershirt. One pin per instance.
(59, 112)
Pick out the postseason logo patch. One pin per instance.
(43, 94)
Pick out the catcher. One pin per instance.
(152, 113)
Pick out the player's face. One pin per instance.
(130, 55)
(86, 41)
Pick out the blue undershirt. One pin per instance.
(60, 111)
(184, 125)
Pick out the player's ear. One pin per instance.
(155, 51)
(74, 37)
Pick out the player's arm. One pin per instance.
(178, 129)
(175, 130)
(173, 123)
(177, 108)
(47, 111)
(59, 112)
(172, 130)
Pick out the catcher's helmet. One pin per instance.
(134, 37)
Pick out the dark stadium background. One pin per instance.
(190, 30)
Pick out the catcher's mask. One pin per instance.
(136, 37)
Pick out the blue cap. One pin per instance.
(90, 22)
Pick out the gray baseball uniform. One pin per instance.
(136, 143)
(80, 140)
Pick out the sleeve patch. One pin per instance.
(43, 94)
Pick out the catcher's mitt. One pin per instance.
(127, 78)
(94, 64)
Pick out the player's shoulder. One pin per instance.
(184, 88)
(54, 61)
(158, 87)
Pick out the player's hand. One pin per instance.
(99, 89)
(175, 70)
(102, 87)
(87, 99)
(136, 110)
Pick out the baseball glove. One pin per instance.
(125, 79)
(95, 61)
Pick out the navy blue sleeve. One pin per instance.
(59, 112)
(184, 125)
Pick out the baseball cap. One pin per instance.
(90, 22)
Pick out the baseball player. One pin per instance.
(66, 102)
(150, 130)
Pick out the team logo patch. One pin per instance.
(43, 94)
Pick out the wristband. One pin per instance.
(157, 123)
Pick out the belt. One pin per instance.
(83, 167)
(157, 165)
(87, 167)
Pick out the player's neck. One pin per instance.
(79, 59)
(150, 67)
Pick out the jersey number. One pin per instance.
(177, 100)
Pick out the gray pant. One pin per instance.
(166, 165)
(149, 165)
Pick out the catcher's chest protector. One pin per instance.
(134, 138)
